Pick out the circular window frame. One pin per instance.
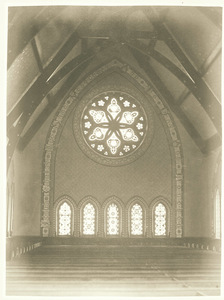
(102, 159)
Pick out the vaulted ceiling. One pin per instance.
(179, 48)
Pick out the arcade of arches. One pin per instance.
(111, 219)
(114, 139)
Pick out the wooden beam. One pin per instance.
(204, 68)
(15, 132)
(22, 30)
(84, 45)
(147, 35)
(37, 55)
(38, 90)
(24, 141)
(105, 34)
(213, 143)
(168, 64)
(204, 95)
(145, 65)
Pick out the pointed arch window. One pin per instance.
(136, 220)
(113, 219)
(64, 218)
(160, 220)
(217, 215)
(89, 219)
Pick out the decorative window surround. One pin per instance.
(176, 228)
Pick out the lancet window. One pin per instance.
(64, 224)
(136, 220)
(160, 220)
(113, 219)
(89, 219)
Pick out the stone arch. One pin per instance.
(57, 204)
(119, 203)
(167, 205)
(143, 204)
(97, 207)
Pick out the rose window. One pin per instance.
(113, 126)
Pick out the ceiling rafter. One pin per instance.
(54, 101)
(37, 55)
(164, 61)
(31, 98)
(192, 87)
(45, 14)
(161, 88)
(212, 143)
(105, 34)
(204, 95)
(20, 114)
(14, 133)
(204, 68)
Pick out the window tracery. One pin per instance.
(160, 219)
(113, 219)
(113, 127)
(136, 220)
(89, 219)
(65, 219)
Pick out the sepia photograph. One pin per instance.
(114, 151)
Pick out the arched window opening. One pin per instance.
(160, 220)
(217, 215)
(89, 219)
(65, 215)
(136, 220)
(112, 219)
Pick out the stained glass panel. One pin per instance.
(136, 220)
(89, 219)
(112, 219)
(114, 125)
(160, 219)
(217, 216)
(64, 219)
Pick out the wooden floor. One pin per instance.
(113, 270)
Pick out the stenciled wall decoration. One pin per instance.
(113, 127)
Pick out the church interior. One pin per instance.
(114, 135)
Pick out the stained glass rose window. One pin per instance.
(112, 126)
